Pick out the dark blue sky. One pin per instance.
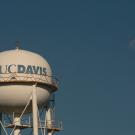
(87, 45)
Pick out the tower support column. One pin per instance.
(17, 122)
(49, 121)
(1, 132)
(35, 111)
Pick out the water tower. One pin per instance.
(26, 84)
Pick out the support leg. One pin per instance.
(16, 121)
(1, 125)
(35, 110)
(49, 121)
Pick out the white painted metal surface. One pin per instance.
(25, 66)
(16, 121)
(35, 110)
(26, 77)
(19, 70)
(49, 120)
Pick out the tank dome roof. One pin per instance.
(28, 65)
(22, 57)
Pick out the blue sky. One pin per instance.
(87, 44)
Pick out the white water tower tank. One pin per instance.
(19, 70)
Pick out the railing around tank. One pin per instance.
(16, 77)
